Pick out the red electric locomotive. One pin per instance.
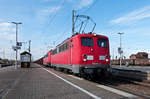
(83, 54)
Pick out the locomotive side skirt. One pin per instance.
(63, 66)
(86, 68)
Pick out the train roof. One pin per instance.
(91, 34)
(77, 34)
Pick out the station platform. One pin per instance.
(35, 83)
(133, 72)
(38, 82)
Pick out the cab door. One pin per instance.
(71, 51)
(102, 52)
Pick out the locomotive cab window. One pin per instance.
(102, 42)
(71, 43)
(87, 41)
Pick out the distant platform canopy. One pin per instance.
(25, 52)
(25, 59)
(25, 56)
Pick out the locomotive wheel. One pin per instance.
(66, 71)
(57, 69)
(50, 66)
(61, 69)
(86, 76)
(54, 68)
(77, 74)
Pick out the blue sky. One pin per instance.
(49, 21)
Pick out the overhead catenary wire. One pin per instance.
(65, 30)
(90, 6)
(63, 33)
(51, 19)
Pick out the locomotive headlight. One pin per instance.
(107, 60)
(84, 60)
(94, 34)
(84, 57)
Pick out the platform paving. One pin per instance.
(37, 83)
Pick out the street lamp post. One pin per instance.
(29, 46)
(16, 23)
(121, 51)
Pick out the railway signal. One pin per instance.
(19, 43)
(16, 48)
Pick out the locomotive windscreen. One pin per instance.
(87, 41)
(102, 42)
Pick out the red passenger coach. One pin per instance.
(47, 59)
(83, 54)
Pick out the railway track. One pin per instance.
(141, 89)
(138, 88)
